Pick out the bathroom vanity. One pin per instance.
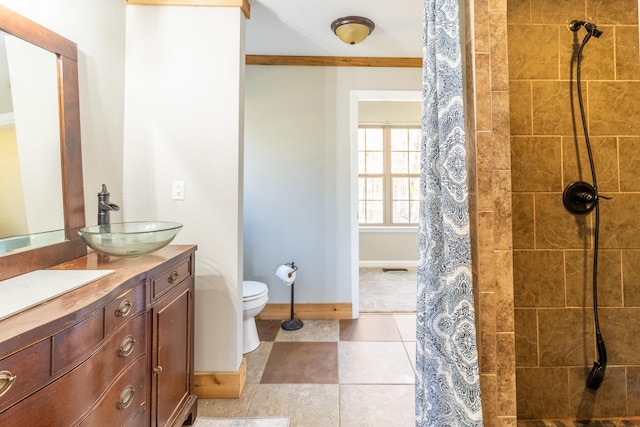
(113, 350)
(116, 351)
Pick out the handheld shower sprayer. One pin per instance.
(591, 28)
(596, 375)
(581, 198)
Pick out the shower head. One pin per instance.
(591, 28)
(595, 376)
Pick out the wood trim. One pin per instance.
(307, 311)
(34, 33)
(71, 147)
(242, 4)
(334, 61)
(222, 385)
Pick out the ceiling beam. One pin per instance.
(334, 61)
(242, 4)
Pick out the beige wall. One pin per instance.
(388, 248)
(552, 260)
(13, 218)
(392, 112)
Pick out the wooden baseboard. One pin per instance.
(307, 311)
(222, 385)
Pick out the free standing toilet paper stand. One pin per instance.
(292, 324)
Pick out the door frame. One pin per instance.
(356, 97)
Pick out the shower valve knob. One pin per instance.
(579, 197)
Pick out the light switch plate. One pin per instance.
(178, 190)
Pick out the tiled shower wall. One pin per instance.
(490, 205)
(552, 249)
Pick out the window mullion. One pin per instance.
(388, 193)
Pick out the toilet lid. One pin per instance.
(251, 289)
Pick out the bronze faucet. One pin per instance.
(105, 206)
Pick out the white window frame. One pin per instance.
(387, 176)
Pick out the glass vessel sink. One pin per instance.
(129, 238)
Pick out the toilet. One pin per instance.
(254, 297)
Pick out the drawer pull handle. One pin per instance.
(124, 309)
(157, 370)
(126, 346)
(126, 397)
(6, 381)
(173, 277)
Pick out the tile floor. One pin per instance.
(242, 422)
(345, 373)
(578, 423)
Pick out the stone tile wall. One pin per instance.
(490, 204)
(552, 249)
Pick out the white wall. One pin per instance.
(183, 109)
(97, 26)
(298, 195)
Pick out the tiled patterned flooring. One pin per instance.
(346, 373)
(578, 423)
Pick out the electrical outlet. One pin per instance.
(178, 190)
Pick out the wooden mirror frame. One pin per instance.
(66, 53)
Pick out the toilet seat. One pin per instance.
(253, 290)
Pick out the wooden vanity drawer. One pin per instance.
(172, 277)
(125, 345)
(30, 367)
(139, 419)
(85, 385)
(76, 342)
(124, 307)
(124, 399)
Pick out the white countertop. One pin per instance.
(28, 290)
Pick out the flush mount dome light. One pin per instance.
(352, 29)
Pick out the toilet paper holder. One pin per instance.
(292, 323)
(292, 265)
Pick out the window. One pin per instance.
(388, 175)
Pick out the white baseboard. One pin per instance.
(388, 264)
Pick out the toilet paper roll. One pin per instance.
(286, 274)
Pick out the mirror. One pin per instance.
(30, 172)
(51, 222)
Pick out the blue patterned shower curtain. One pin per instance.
(447, 373)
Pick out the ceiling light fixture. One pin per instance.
(352, 29)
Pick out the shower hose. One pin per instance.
(597, 372)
